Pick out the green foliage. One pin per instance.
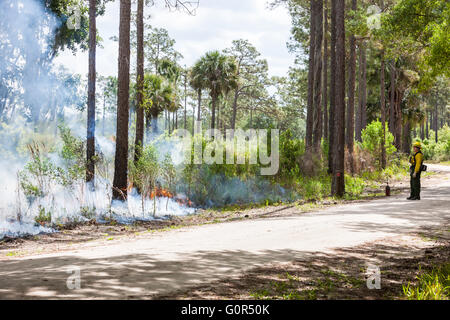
(146, 170)
(43, 217)
(72, 153)
(372, 138)
(439, 151)
(317, 187)
(42, 172)
(36, 178)
(169, 174)
(433, 285)
(354, 186)
(290, 152)
(425, 22)
(144, 173)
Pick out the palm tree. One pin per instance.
(158, 96)
(219, 75)
(169, 70)
(120, 183)
(198, 83)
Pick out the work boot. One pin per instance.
(410, 198)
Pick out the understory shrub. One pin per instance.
(439, 151)
(371, 141)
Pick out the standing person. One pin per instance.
(416, 161)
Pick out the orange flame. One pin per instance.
(159, 192)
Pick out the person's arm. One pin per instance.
(419, 161)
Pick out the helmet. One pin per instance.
(417, 144)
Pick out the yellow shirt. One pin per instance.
(417, 160)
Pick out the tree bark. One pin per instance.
(350, 136)
(358, 114)
(325, 72)
(364, 88)
(383, 111)
(318, 39)
(406, 144)
(120, 183)
(185, 100)
(218, 116)
(310, 105)
(139, 142)
(235, 101)
(332, 125)
(90, 144)
(199, 110)
(392, 98)
(213, 111)
(338, 174)
(435, 118)
(422, 131)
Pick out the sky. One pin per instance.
(213, 27)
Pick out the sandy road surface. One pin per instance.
(181, 258)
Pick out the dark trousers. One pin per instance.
(415, 185)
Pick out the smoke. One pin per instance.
(36, 97)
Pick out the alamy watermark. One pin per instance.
(374, 17)
(74, 20)
(235, 147)
(74, 280)
(373, 275)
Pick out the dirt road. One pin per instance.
(178, 259)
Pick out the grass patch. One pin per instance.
(433, 285)
(13, 254)
(291, 287)
(287, 288)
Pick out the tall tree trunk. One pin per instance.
(339, 171)
(325, 72)
(139, 142)
(332, 124)
(213, 111)
(185, 100)
(392, 98)
(174, 114)
(383, 111)
(364, 87)
(199, 111)
(351, 97)
(235, 101)
(406, 144)
(90, 144)
(398, 118)
(358, 114)
(310, 106)
(427, 134)
(168, 121)
(120, 183)
(104, 116)
(435, 118)
(422, 131)
(193, 119)
(317, 102)
(383, 106)
(218, 116)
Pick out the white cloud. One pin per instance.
(214, 26)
